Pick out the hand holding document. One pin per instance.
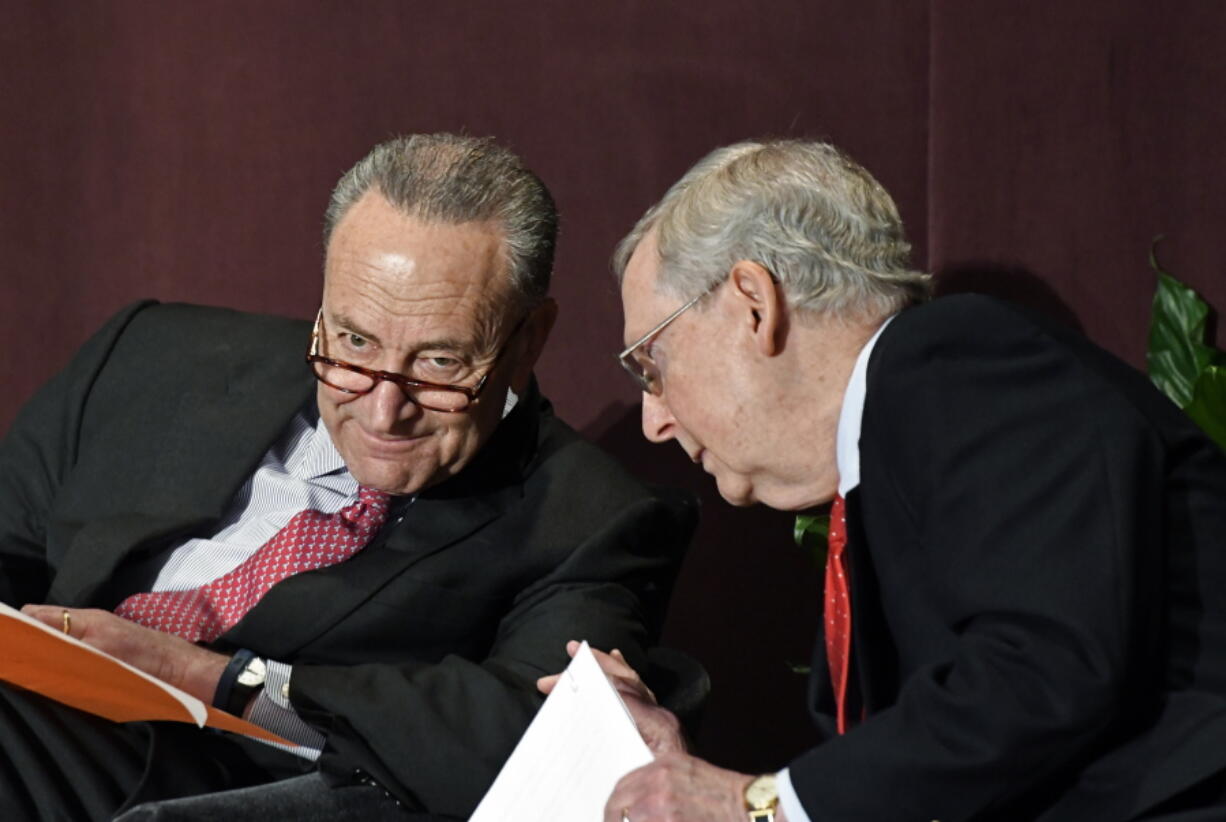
(51, 663)
(580, 744)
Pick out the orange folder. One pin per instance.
(46, 661)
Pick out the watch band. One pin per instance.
(233, 692)
(761, 799)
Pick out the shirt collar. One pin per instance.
(847, 442)
(320, 456)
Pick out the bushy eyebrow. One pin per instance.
(346, 325)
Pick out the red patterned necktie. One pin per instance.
(310, 540)
(838, 612)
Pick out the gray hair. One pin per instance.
(806, 212)
(455, 179)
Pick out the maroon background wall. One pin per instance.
(185, 151)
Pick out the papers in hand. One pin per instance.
(51, 663)
(580, 744)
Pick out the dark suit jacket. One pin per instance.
(1038, 562)
(417, 657)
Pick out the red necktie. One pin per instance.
(838, 612)
(308, 541)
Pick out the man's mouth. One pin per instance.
(380, 442)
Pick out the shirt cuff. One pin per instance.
(272, 711)
(788, 800)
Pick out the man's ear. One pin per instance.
(762, 305)
(536, 334)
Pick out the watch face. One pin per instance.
(762, 793)
(254, 674)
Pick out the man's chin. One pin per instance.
(389, 475)
(395, 488)
(791, 500)
(736, 492)
(740, 491)
(383, 477)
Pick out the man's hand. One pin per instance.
(678, 787)
(170, 658)
(658, 726)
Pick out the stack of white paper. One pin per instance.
(576, 749)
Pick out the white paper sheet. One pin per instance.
(580, 744)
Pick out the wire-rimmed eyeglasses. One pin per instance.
(636, 359)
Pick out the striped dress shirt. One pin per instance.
(302, 470)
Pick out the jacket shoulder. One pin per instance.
(210, 330)
(566, 455)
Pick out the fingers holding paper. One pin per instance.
(624, 678)
(659, 727)
(170, 658)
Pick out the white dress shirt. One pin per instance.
(847, 458)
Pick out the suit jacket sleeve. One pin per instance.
(1008, 499)
(417, 658)
(435, 733)
(34, 457)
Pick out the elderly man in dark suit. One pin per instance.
(1025, 614)
(444, 532)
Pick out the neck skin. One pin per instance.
(807, 379)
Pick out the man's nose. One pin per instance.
(658, 421)
(388, 406)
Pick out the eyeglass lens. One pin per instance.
(439, 399)
(644, 371)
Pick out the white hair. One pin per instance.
(817, 221)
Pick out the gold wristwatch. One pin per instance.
(761, 799)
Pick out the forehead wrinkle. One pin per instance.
(458, 308)
(403, 295)
(406, 289)
(479, 314)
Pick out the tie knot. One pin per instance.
(373, 498)
(371, 507)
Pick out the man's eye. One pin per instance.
(356, 341)
(439, 368)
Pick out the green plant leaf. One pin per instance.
(815, 525)
(1208, 405)
(1177, 353)
(1189, 371)
(810, 533)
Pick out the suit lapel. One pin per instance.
(874, 662)
(299, 609)
(178, 477)
(821, 691)
(872, 655)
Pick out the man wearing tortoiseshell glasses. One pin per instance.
(373, 553)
